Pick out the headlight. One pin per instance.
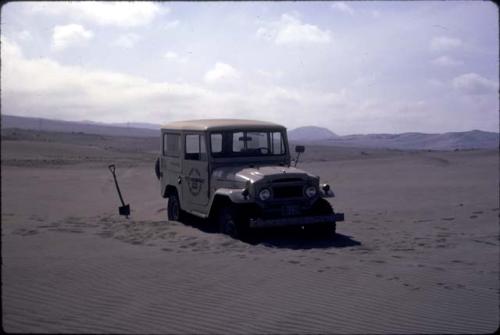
(264, 194)
(311, 191)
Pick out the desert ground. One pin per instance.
(418, 252)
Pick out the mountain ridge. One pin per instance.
(473, 139)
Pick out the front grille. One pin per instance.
(283, 192)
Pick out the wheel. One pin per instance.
(230, 223)
(157, 168)
(328, 229)
(174, 211)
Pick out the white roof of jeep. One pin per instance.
(219, 124)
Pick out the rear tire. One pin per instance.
(157, 168)
(174, 210)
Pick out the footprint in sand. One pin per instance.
(379, 261)
(448, 219)
(477, 212)
(472, 216)
(25, 232)
(422, 221)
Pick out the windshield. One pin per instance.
(247, 143)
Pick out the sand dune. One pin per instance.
(417, 254)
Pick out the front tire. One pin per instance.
(230, 223)
(174, 210)
(327, 229)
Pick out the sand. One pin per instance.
(418, 252)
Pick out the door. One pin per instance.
(171, 158)
(195, 173)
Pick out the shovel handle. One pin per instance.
(112, 168)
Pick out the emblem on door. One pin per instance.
(194, 181)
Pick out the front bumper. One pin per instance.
(295, 221)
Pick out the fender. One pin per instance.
(235, 195)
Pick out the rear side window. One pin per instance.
(171, 144)
(195, 147)
(216, 143)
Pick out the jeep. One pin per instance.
(238, 174)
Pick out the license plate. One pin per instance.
(290, 210)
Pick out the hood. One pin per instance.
(254, 174)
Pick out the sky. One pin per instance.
(352, 67)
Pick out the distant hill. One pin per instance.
(125, 124)
(474, 139)
(310, 133)
(89, 127)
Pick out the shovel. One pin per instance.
(124, 209)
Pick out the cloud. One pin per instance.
(343, 7)
(9, 49)
(221, 72)
(443, 43)
(446, 61)
(24, 35)
(121, 14)
(435, 83)
(474, 84)
(45, 88)
(70, 35)
(270, 74)
(171, 24)
(290, 30)
(173, 56)
(375, 14)
(170, 55)
(126, 40)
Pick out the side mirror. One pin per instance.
(300, 149)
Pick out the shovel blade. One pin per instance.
(124, 210)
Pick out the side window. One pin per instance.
(216, 143)
(195, 147)
(278, 145)
(171, 145)
(238, 142)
